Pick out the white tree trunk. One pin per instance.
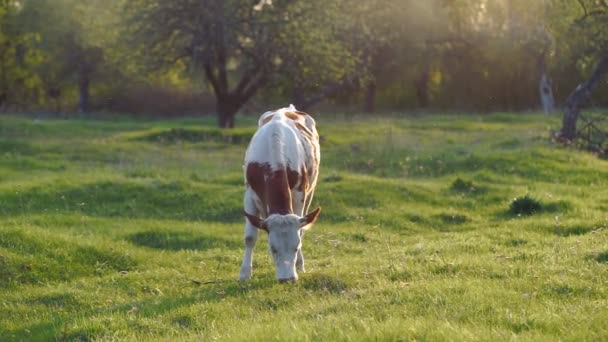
(546, 94)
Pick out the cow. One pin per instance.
(281, 169)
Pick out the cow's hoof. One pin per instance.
(245, 276)
(288, 280)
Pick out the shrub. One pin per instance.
(525, 205)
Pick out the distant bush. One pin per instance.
(156, 101)
(233, 136)
(525, 205)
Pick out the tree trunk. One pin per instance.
(228, 102)
(226, 120)
(578, 98)
(544, 83)
(422, 88)
(83, 94)
(226, 109)
(546, 93)
(370, 97)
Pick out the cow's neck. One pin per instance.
(277, 193)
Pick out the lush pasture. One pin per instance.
(132, 230)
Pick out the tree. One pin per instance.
(16, 57)
(68, 55)
(388, 34)
(579, 97)
(593, 22)
(240, 47)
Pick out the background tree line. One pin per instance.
(219, 56)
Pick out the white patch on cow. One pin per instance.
(276, 143)
(284, 241)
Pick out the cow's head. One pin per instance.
(285, 239)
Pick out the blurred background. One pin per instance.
(222, 57)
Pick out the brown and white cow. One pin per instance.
(281, 169)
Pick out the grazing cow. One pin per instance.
(281, 169)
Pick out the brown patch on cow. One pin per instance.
(273, 187)
(299, 112)
(267, 119)
(293, 116)
(304, 130)
(294, 178)
(304, 181)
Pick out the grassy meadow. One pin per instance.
(132, 230)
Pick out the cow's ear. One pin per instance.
(256, 221)
(310, 218)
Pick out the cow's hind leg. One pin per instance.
(251, 236)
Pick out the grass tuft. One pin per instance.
(463, 186)
(600, 257)
(525, 206)
(325, 283)
(572, 230)
(453, 218)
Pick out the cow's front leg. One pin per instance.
(300, 256)
(251, 236)
(301, 202)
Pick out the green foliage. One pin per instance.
(17, 55)
(109, 235)
(466, 54)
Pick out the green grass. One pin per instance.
(132, 230)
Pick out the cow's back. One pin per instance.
(286, 139)
(282, 157)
